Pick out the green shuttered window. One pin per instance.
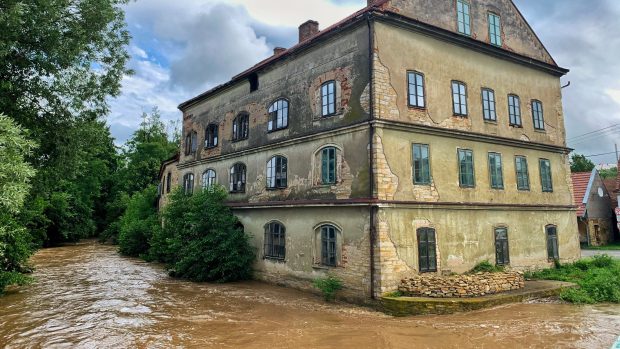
(421, 164)
(328, 165)
(545, 175)
(495, 171)
(466, 168)
(523, 179)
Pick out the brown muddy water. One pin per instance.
(87, 296)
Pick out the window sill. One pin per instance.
(515, 126)
(467, 187)
(239, 140)
(462, 116)
(277, 129)
(492, 122)
(323, 267)
(523, 190)
(275, 188)
(210, 147)
(414, 107)
(236, 192)
(498, 189)
(274, 259)
(422, 184)
(539, 130)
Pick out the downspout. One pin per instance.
(371, 207)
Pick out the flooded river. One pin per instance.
(87, 296)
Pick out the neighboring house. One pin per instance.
(594, 212)
(414, 136)
(168, 179)
(613, 187)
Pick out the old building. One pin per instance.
(168, 179)
(594, 210)
(413, 136)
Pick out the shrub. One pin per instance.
(202, 240)
(603, 261)
(486, 267)
(138, 223)
(328, 286)
(12, 278)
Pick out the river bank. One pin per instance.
(87, 296)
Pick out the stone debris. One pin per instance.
(461, 286)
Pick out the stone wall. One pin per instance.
(461, 286)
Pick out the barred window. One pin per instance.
(237, 178)
(416, 89)
(495, 171)
(466, 168)
(208, 178)
(241, 127)
(552, 242)
(537, 115)
(328, 165)
(495, 29)
(276, 172)
(211, 136)
(514, 110)
(328, 98)
(502, 253)
(463, 19)
(459, 98)
(427, 252)
(421, 164)
(545, 175)
(488, 104)
(188, 184)
(523, 177)
(275, 241)
(329, 243)
(278, 115)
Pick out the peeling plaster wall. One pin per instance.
(174, 182)
(516, 34)
(399, 50)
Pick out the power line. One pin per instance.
(593, 136)
(595, 131)
(591, 156)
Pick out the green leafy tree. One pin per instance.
(139, 223)
(609, 173)
(579, 163)
(202, 240)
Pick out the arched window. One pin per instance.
(275, 241)
(188, 183)
(276, 172)
(328, 98)
(278, 115)
(241, 127)
(191, 144)
(328, 165)
(329, 245)
(208, 178)
(211, 136)
(502, 253)
(427, 253)
(237, 178)
(537, 115)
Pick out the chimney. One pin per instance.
(278, 50)
(307, 30)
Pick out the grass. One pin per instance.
(328, 286)
(486, 267)
(610, 247)
(598, 279)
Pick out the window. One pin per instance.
(552, 242)
(329, 255)
(211, 136)
(495, 171)
(514, 110)
(523, 177)
(427, 253)
(421, 164)
(191, 143)
(278, 115)
(168, 182)
(466, 168)
(416, 89)
(208, 179)
(328, 98)
(502, 254)
(463, 20)
(328, 165)
(237, 178)
(253, 79)
(495, 29)
(488, 104)
(537, 115)
(194, 142)
(459, 98)
(276, 172)
(188, 184)
(275, 241)
(241, 127)
(545, 175)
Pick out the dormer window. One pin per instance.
(278, 115)
(328, 98)
(463, 19)
(495, 30)
(211, 136)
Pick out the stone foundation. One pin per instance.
(461, 286)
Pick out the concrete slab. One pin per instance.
(404, 306)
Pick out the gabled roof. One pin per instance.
(610, 185)
(171, 160)
(582, 181)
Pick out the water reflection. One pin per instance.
(86, 296)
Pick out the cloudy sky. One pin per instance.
(182, 48)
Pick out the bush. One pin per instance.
(328, 286)
(486, 267)
(138, 223)
(603, 261)
(202, 240)
(12, 278)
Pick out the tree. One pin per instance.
(139, 223)
(579, 163)
(609, 173)
(15, 175)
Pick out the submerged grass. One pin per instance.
(598, 279)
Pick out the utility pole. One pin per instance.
(617, 158)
